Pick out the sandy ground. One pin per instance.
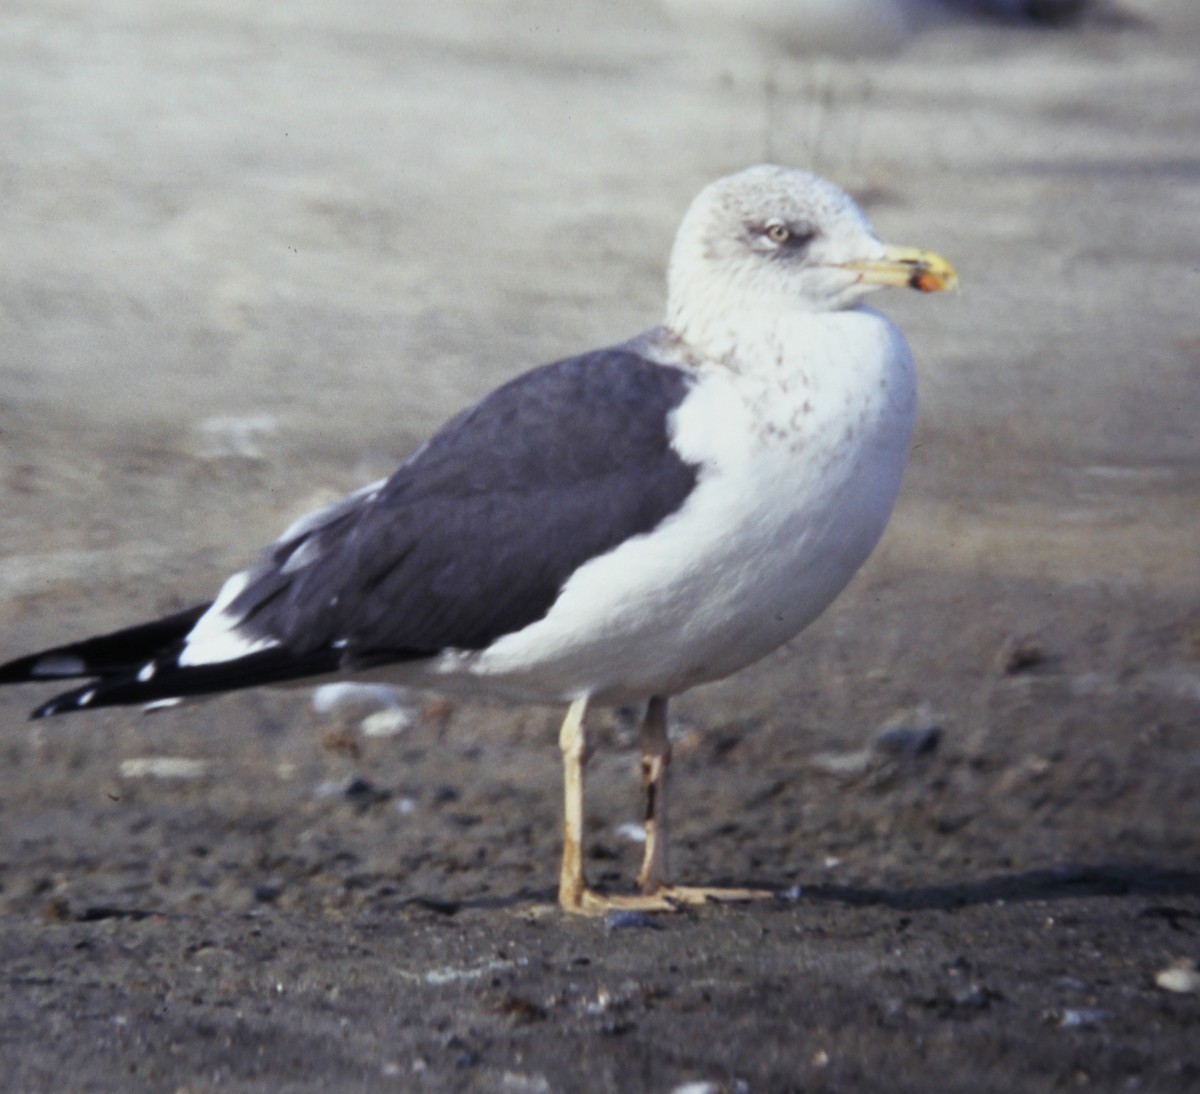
(254, 253)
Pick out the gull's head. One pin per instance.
(773, 240)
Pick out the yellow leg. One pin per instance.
(652, 878)
(573, 892)
(656, 758)
(572, 739)
(656, 896)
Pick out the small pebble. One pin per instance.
(623, 920)
(1082, 1017)
(163, 767)
(350, 700)
(388, 723)
(908, 740)
(842, 765)
(363, 790)
(1180, 977)
(357, 789)
(1019, 655)
(634, 833)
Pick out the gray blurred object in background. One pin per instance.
(851, 27)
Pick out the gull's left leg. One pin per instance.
(656, 760)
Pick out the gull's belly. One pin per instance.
(799, 549)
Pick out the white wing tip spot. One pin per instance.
(59, 665)
(161, 704)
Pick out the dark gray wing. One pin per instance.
(115, 654)
(474, 536)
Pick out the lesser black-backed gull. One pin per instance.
(615, 527)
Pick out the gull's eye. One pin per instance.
(778, 232)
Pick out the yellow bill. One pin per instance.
(908, 268)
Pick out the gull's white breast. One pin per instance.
(800, 451)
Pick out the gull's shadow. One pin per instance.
(1060, 883)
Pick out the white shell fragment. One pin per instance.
(1180, 977)
(163, 767)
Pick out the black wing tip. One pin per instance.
(105, 655)
(130, 689)
(162, 680)
(50, 709)
(25, 670)
(170, 682)
(66, 703)
(70, 702)
(95, 696)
